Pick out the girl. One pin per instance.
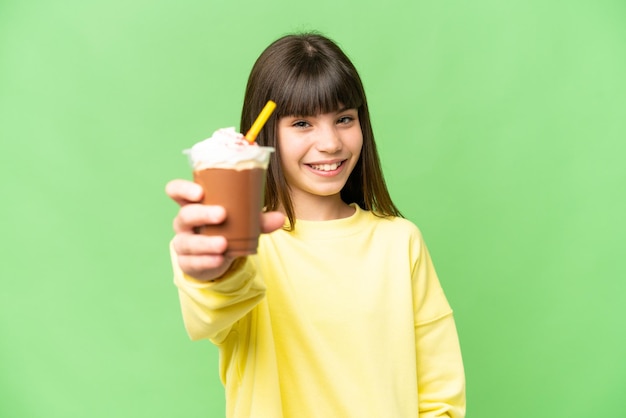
(340, 314)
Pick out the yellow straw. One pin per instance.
(260, 121)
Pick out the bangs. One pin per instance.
(314, 88)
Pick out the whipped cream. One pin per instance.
(227, 148)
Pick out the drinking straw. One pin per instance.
(260, 121)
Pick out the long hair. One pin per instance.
(308, 74)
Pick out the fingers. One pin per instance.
(201, 256)
(197, 244)
(271, 221)
(204, 268)
(192, 216)
(184, 191)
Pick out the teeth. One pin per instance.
(326, 167)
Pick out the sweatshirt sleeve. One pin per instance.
(440, 372)
(210, 309)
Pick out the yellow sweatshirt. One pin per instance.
(342, 318)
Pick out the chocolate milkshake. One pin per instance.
(232, 173)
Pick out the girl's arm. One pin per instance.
(440, 372)
(441, 379)
(215, 290)
(210, 309)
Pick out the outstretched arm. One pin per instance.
(215, 290)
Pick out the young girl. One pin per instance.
(340, 314)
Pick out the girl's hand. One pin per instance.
(202, 256)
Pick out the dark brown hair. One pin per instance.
(308, 74)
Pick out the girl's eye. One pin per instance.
(345, 120)
(301, 124)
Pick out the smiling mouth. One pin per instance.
(326, 167)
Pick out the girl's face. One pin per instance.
(319, 152)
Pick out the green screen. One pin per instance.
(501, 129)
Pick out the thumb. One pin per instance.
(271, 221)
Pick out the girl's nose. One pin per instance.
(329, 141)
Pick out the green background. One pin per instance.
(501, 125)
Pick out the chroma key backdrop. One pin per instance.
(502, 134)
